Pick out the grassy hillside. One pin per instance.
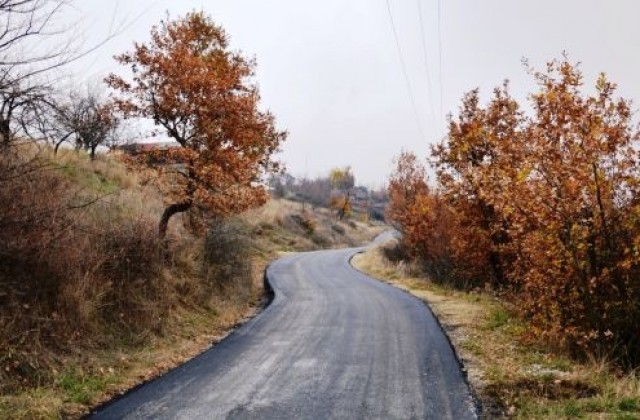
(91, 303)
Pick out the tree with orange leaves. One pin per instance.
(433, 231)
(342, 180)
(475, 164)
(188, 81)
(546, 206)
(406, 184)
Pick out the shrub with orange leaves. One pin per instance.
(433, 232)
(546, 205)
(575, 215)
(188, 81)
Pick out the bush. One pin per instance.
(302, 220)
(70, 272)
(394, 251)
(377, 215)
(544, 206)
(227, 257)
(338, 229)
(131, 264)
(320, 240)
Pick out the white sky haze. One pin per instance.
(330, 70)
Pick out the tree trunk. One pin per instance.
(92, 152)
(170, 211)
(5, 131)
(59, 143)
(343, 211)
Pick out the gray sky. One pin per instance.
(331, 73)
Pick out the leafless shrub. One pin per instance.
(394, 251)
(66, 276)
(338, 229)
(227, 261)
(130, 259)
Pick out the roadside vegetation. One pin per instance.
(93, 302)
(337, 190)
(532, 220)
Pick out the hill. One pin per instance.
(92, 302)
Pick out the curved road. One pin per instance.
(334, 343)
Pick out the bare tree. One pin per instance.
(24, 26)
(87, 119)
(33, 43)
(20, 105)
(26, 23)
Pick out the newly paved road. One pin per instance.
(334, 343)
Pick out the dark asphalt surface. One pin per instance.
(333, 344)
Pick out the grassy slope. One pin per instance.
(80, 378)
(511, 377)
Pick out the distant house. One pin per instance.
(134, 149)
(153, 153)
(360, 193)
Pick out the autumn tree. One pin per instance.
(576, 215)
(431, 233)
(475, 163)
(406, 184)
(342, 180)
(548, 204)
(407, 188)
(188, 81)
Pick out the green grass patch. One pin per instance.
(90, 179)
(473, 346)
(498, 317)
(597, 407)
(629, 404)
(81, 387)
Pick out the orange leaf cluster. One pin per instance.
(191, 85)
(546, 206)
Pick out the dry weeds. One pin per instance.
(122, 308)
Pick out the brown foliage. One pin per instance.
(341, 204)
(75, 275)
(548, 203)
(227, 257)
(433, 232)
(342, 179)
(188, 81)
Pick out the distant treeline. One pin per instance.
(324, 192)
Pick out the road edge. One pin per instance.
(266, 302)
(477, 403)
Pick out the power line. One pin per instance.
(426, 63)
(404, 70)
(440, 55)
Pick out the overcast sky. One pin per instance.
(331, 70)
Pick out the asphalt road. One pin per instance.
(334, 343)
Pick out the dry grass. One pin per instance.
(81, 285)
(290, 227)
(91, 303)
(512, 378)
